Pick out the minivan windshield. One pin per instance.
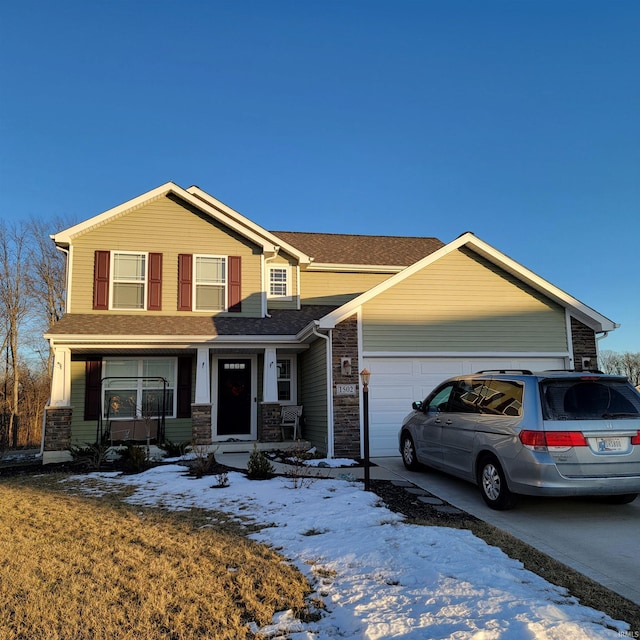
(589, 399)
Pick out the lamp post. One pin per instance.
(365, 376)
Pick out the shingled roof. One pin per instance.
(283, 322)
(343, 248)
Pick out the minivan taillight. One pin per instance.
(635, 439)
(560, 439)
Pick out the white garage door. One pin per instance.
(397, 382)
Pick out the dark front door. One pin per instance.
(234, 397)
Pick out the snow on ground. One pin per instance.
(378, 576)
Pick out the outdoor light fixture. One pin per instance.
(365, 376)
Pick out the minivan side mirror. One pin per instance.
(417, 405)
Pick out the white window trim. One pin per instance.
(225, 285)
(172, 411)
(112, 282)
(287, 269)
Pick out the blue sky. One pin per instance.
(518, 120)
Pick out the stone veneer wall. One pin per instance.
(201, 423)
(57, 433)
(346, 409)
(584, 345)
(269, 422)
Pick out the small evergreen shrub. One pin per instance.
(258, 466)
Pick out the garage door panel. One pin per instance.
(397, 382)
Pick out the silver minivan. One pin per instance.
(551, 433)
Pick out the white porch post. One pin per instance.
(61, 382)
(270, 378)
(203, 377)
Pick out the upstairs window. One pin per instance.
(129, 280)
(279, 283)
(210, 283)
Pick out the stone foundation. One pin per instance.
(201, 424)
(57, 431)
(269, 422)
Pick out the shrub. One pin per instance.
(135, 458)
(90, 456)
(175, 449)
(258, 466)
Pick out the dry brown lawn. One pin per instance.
(78, 568)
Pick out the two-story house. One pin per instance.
(183, 312)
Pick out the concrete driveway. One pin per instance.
(600, 541)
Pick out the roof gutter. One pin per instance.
(329, 358)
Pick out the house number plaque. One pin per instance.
(345, 389)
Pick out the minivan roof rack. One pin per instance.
(524, 372)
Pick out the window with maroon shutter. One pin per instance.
(92, 389)
(185, 275)
(234, 287)
(101, 280)
(154, 289)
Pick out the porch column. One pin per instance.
(61, 381)
(203, 377)
(270, 378)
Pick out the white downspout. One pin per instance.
(330, 443)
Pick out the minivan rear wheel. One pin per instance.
(409, 453)
(493, 485)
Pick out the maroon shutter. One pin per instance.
(92, 389)
(101, 280)
(234, 283)
(184, 387)
(185, 275)
(154, 290)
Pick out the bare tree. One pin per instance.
(46, 278)
(14, 307)
(625, 364)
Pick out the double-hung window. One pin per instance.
(129, 278)
(279, 283)
(286, 377)
(210, 283)
(138, 388)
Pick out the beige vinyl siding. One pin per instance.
(170, 227)
(84, 431)
(463, 303)
(312, 394)
(329, 287)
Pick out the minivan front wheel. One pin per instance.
(493, 485)
(409, 453)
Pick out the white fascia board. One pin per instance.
(355, 268)
(223, 215)
(249, 224)
(587, 315)
(64, 237)
(83, 341)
